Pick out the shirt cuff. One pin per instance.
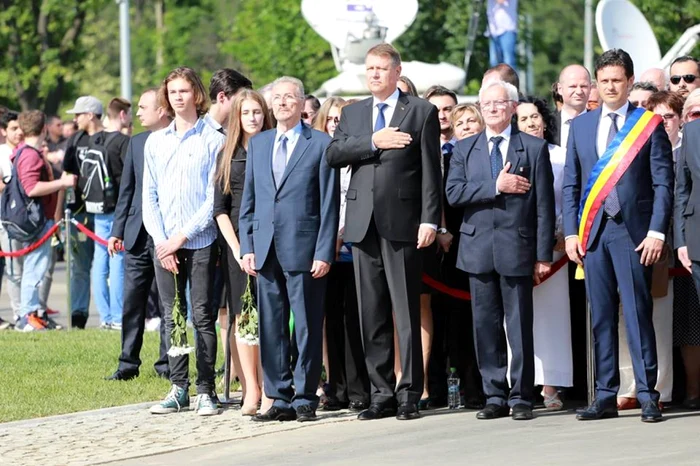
(656, 235)
(431, 225)
(570, 236)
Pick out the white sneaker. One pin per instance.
(153, 325)
(115, 326)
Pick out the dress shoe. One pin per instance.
(276, 414)
(493, 411)
(333, 404)
(357, 405)
(407, 411)
(122, 375)
(522, 412)
(376, 411)
(78, 320)
(597, 410)
(691, 403)
(651, 412)
(306, 413)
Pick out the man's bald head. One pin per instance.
(656, 76)
(574, 87)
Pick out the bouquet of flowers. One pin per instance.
(247, 328)
(178, 335)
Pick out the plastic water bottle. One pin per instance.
(70, 195)
(453, 389)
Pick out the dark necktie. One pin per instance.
(279, 162)
(380, 123)
(447, 156)
(496, 157)
(612, 202)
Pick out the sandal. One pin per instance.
(552, 402)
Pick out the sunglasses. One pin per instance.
(694, 115)
(688, 78)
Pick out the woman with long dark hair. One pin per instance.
(249, 116)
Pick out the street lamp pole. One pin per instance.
(124, 49)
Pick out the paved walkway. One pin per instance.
(131, 436)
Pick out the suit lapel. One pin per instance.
(483, 160)
(594, 139)
(269, 152)
(367, 114)
(299, 149)
(515, 149)
(400, 112)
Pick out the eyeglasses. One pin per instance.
(668, 116)
(688, 78)
(333, 119)
(287, 98)
(500, 104)
(694, 115)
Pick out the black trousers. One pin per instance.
(388, 277)
(347, 372)
(138, 279)
(197, 266)
(496, 298)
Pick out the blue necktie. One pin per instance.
(279, 162)
(612, 202)
(381, 122)
(447, 156)
(496, 157)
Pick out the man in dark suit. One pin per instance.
(626, 235)
(687, 199)
(392, 142)
(288, 226)
(130, 236)
(503, 180)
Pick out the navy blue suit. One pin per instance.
(287, 228)
(138, 260)
(502, 236)
(645, 192)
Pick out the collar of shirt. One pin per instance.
(213, 123)
(567, 117)
(391, 101)
(196, 129)
(622, 111)
(505, 134)
(292, 138)
(452, 141)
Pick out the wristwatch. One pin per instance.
(442, 231)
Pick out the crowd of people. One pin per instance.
(320, 226)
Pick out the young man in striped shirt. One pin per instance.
(178, 200)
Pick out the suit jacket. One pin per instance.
(128, 219)
(401, 188)
(645, 190)
(686, 219)
(301, 216)
(556, 131)
(505, 233)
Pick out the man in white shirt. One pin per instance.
(502, 31)
(575, 87)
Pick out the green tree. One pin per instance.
(40, 40)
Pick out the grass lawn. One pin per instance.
(47, 373)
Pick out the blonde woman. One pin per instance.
(466, 120)
(249, 116)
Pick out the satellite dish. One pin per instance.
(621, 25)
(354, 26)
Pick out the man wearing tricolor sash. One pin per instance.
(618, 198)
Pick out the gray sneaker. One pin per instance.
(206, 405)
(177, 400)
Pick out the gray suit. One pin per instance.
(501, 238)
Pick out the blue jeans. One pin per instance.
(35, 265)
(502, 49)
(107, 275)
(81, 259)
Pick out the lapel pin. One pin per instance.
(521, 169)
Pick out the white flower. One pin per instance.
(176, 351)
(248, 339)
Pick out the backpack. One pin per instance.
(22, 216)
(95, 180)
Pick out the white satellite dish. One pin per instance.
(621, 25)
(346, 23)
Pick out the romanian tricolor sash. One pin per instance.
(610, 167)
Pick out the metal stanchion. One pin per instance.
(590, 357)
(67, 254)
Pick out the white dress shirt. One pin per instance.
(292, 139)
(503, 146)
(566, 126)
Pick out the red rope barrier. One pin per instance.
(32, 247)
(466, 296)
(89, 233)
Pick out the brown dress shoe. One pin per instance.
(624, 403)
